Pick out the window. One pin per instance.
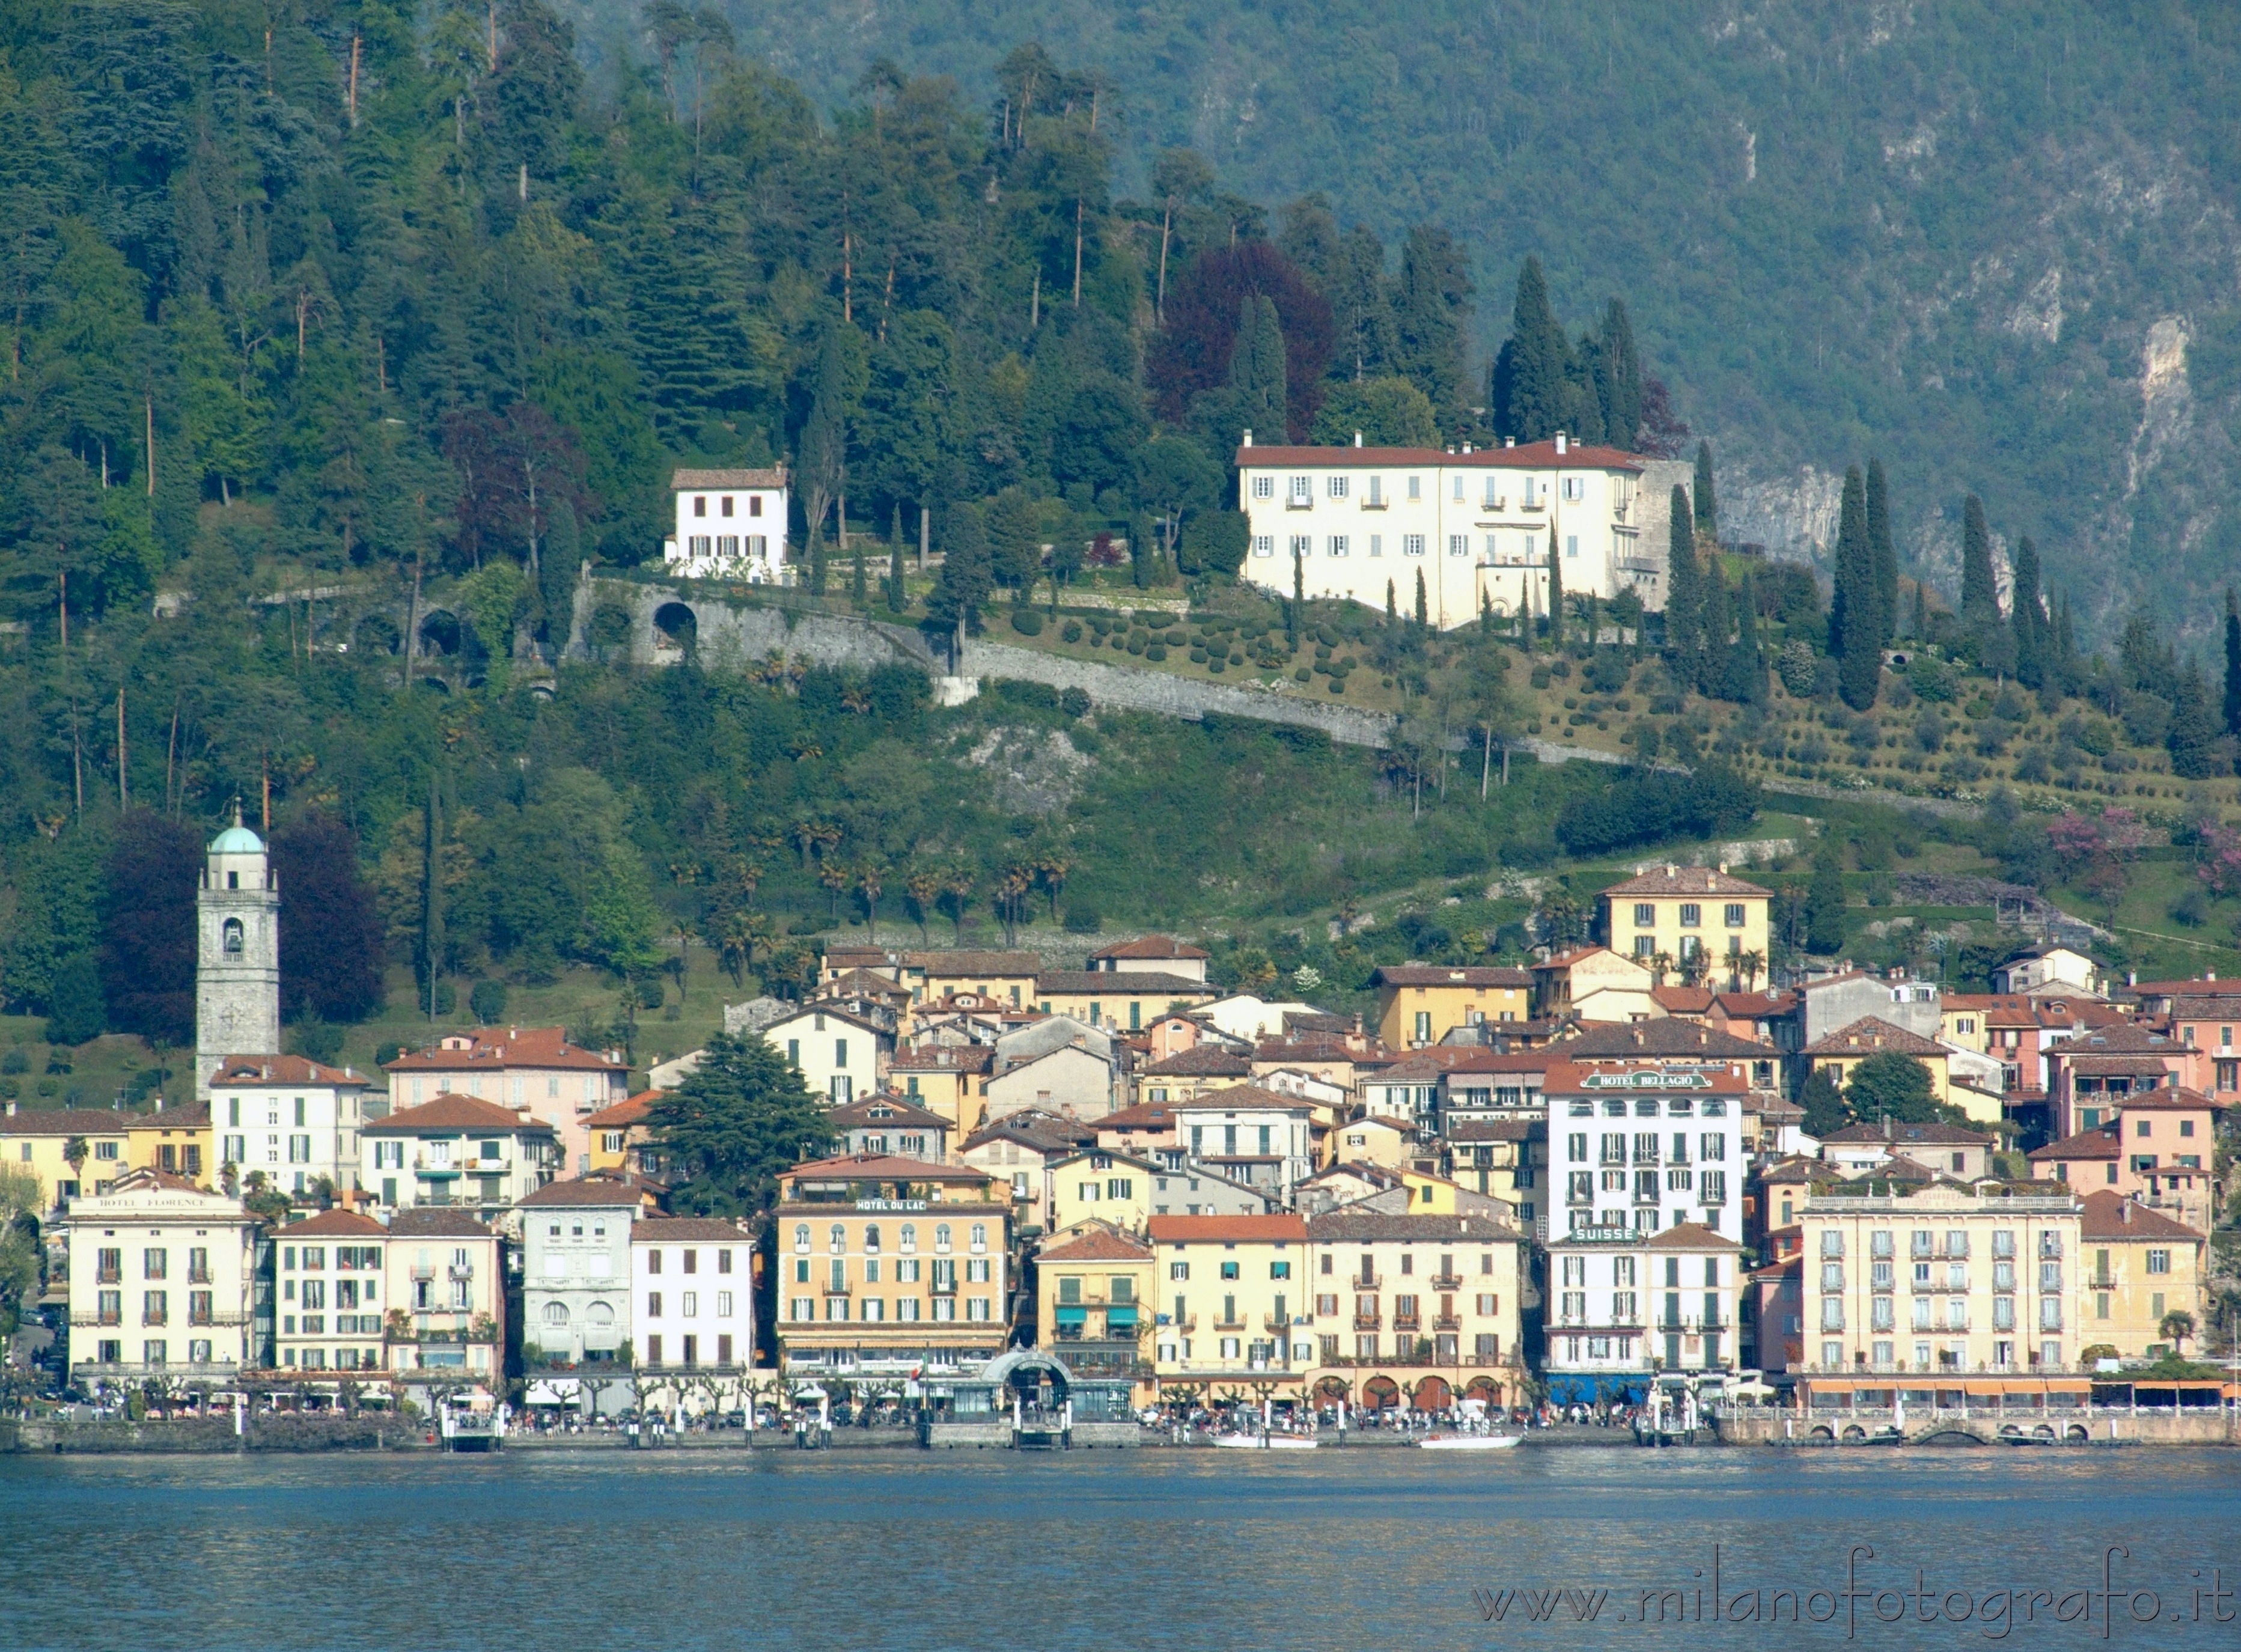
(1337, 545)
(232, 934)
(1459, 544)
(1302, 544)
(1302, 492)
(1692, 915)
(1412, 544)
(1376, 545)
(1732, 914)
(2160, 1261)
(1264, 545)
(1338, 487)
(1576, 488)
(1415, 488)
(1571, 545)
(1264, 487)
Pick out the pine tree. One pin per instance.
(965, 580)
(1883, 553)
(1708, 510)
(1853, 617)
(1530, 375)
(1683, 603)
(2029, 619)
(2193, 732)
(2233, 706)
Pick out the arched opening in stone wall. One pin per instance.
(679, 625)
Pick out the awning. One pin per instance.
(1071, 1316)
(1119, 1317)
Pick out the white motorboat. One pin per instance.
(1468, 1442)
(1268, 1442)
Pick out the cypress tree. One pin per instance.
(2232, 664)
(1392, 614)
(1555, 598)
(1621, 379)
(1256, 366)
(1719, 620)
(2028, 619)
(1139, 550)
(966, 579)
(1682, 602)
(1884, 553)
(1485, 614)
(1299, 595)
(818, 560)
(1980, 597)
(1746, 680)
(1708, 510)
(857, 592)
(894, 581)
(2065, 641)
(1423, 607)
(1852, 613)
(1921, 610)
(1530, 376)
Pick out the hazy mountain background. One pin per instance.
(1997, 246)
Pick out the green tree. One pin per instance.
(1883, 554)
(1980, 597)
(2192, 736)
(78, 1014)
(1556, 595)
(1855, 612)
(1823, 1104)
(1431, 311)
(1385, 412)
(1015, 539)
(733, 1125)
(2027, 616)
(961, 590)
(1618, 378)
(1685, 625)
(1708, 510)
(1890, 1085)
(1529, 385)
(1824, 905)
(2233, 702)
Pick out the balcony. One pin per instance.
(943, 1288)
(1276, 1322)
(423, 1270)
(1233, 1324)
(1447, 1322)
(837, 1287)
(1407, 1322)
(1186, 1326)
(1367, 1281)
(460, 1273)
(107, 1316)
(1446, 1282)
(1367, 1321)
(109, 1276)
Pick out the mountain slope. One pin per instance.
(1946, 232)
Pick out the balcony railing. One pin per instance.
(1276, 1321)
(1367, 1281)
(1367, 1321)
(836, 1287)
(1232, 1325)
(1446, 1282)
(1447, 1322)
(1406, 1322)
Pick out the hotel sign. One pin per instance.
(891, 1204)
(1652, 1079)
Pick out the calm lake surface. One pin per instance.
(1187, 1549)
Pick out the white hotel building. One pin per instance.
(730, 524)
(1476, 524)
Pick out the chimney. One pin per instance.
(12, 1109)
(1357, 438)
(2124, 1212)
(1466, 447)
(1509, 441)
(1561, 444)
(159, 1103)
(1247, 442)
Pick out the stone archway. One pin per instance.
(1333, 1390)
(1433, 1393)
(1483, 1388)
(1381, 1394)
(442, 633)
(678, 626)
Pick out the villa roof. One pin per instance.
(1094, 1245)
(1451, 976)
(1871, 1035)
(2108, 1214)
(239, 1072)
(1184, 1230)
(341, 1224)
(1685, 880)
(454, 1112)
(500, 1048)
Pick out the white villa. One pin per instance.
(1476, 524)
(730, 524)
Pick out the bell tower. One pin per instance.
(237, 954)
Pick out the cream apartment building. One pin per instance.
(1942, 1280)
(162, 1280)
(1477, 525)
(1414, 1290)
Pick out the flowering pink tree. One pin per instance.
(2219, 869)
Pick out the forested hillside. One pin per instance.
(1999, 242)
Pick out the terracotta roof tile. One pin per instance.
(2108, 1214)
(1185, 1230)
(1093, 1245)
(1685, 880)
(452, 1111)
(342, 1224)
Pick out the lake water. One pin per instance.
(1200, 1549)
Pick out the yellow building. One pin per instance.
(888, 1266)
(1416, 1290)
(951, 1080)
(619, 1135)
(1126, 1000)
(2138, 1266)
(1421, 1003)
(162, 1281)
(40, 1141)
(1006, 978)
(1682, 912)
(1373, 1139)
(176, 1140)
(1230, 1289)
(1092, 1291)
(1943, 1279)
(1845, 1048)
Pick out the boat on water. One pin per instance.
(1265, 1442)
(1468, 1442)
